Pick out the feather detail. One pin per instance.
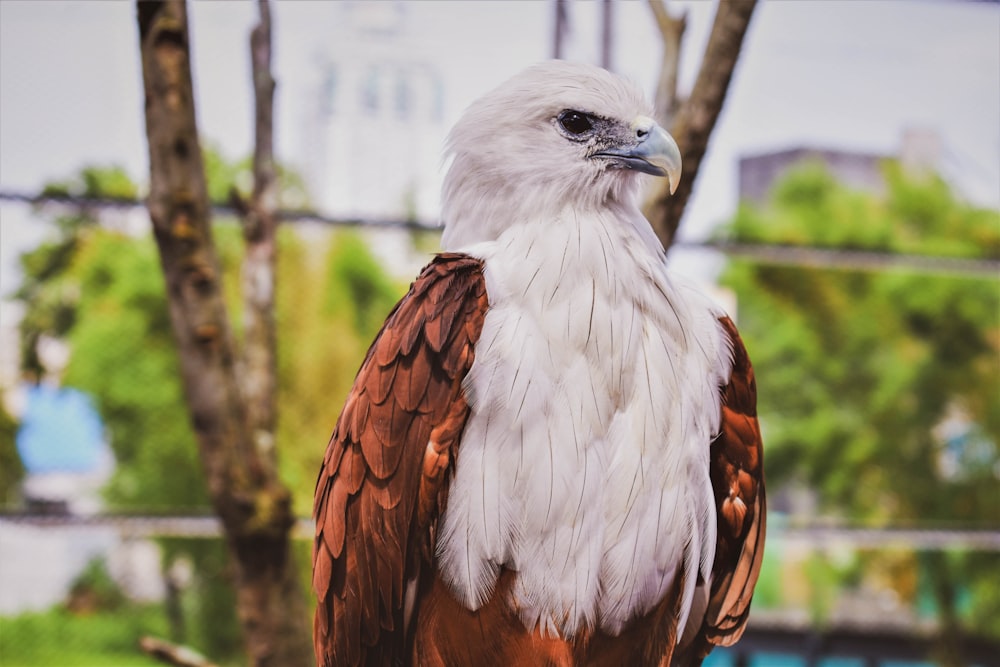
(737, 479)
(380, 491)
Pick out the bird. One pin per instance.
(551, 453)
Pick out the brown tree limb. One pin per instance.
(695, 119)
(607, 32)
(559, 28)
(259, 369)
(173, 654)
(254, 508)
(671, 32)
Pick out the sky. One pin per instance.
(843, 75)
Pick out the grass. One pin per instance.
(59, 638)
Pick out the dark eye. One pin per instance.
(575, 122)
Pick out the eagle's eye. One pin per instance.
(575, 122)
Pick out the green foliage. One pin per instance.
(823, 577)
(917, 216)
(332, 298)
(357, 286)
(94, 590)
(860, 368)
(981, 576)
(59, 637)
(93, 181)
(877, 389)
(205, 611)
(11, 470)
(226, 178)
(48, 292)
(124, 356)
(103, 292)
(223, 175)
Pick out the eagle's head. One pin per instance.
(557, 136)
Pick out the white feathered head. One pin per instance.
(557, 135)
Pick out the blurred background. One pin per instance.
(847, 213)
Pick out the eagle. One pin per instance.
(551, 453)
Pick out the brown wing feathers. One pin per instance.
(385, 471)
(737, 480)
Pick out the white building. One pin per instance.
(375, 123)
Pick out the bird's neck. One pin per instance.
(583, 238)
(481, 205)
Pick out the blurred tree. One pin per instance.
(227, 179)
(49, 298)
(880, 390)
(123, 355)
(331, 296)
(230, 389)
(102, 291)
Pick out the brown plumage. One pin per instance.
(737, 475)
(385, 473)
(384, 483)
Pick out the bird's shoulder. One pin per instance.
(384, 477)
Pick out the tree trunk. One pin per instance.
(255, 509)
(696, 116)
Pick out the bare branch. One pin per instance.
(696, 117)
(672, 32)
(559, 29)
(607, 32)
(174, 654)
(265, 190)
(259, 368)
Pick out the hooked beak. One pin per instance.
(655, 152)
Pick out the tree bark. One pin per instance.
(255, 509)
(695, 119)
(259, 337)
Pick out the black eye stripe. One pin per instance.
(575, 122)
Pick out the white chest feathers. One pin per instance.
(584, 464)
